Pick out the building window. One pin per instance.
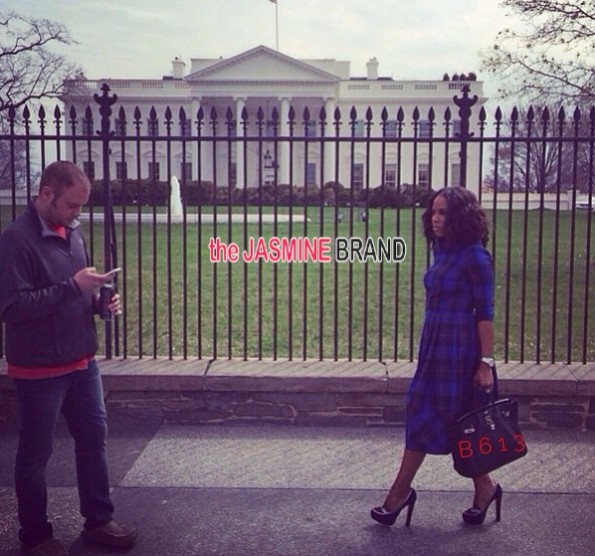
(456, 128)
(233, 174)
(186, 127)
(423, 175)
(311, 173)
(153, 128)
(271, 128)
(390, 175)
(310, 128)
(89, 169)
(425, 129)
(154, 171)
(120, 126)
(357, 176)
(358, 128)
(87, 126)
(390, 129)
(455, 174)
(186, 170)
(121, 170)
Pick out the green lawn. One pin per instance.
(179, 303)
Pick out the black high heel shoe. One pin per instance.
(384, 516)
(476, 516)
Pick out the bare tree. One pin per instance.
(29, 70)
(550, 57)
(545, 150)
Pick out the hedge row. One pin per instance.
(146, 192)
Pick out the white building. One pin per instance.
(302, 153)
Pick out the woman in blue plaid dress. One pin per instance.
(456, 348)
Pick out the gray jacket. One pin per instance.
(49, 321)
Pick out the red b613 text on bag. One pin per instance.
(485, 446)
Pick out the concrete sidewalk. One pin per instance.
(287, 490)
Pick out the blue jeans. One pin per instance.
(79, 397)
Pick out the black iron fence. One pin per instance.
(298, 236)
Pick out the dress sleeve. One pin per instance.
(480, 273)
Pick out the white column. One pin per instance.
(283, 150)
(329, 147)
(196, 163)
(240, 104)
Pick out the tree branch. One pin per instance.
(29, 70)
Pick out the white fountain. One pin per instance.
(175, 199)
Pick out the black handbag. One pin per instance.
(487, 438)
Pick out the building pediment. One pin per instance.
(261, 64)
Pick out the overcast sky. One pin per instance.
(412, 39)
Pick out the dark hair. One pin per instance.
(62, 174)
(465, 219)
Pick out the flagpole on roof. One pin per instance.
(276, 23)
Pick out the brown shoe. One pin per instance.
(49, 547)
(111, 534)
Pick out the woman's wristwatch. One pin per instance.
(489, 361)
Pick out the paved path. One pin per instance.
(274, 490)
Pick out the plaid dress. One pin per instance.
(459, 293)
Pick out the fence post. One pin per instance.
(464, 105)
(109, 245)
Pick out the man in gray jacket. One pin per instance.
(47, 301)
